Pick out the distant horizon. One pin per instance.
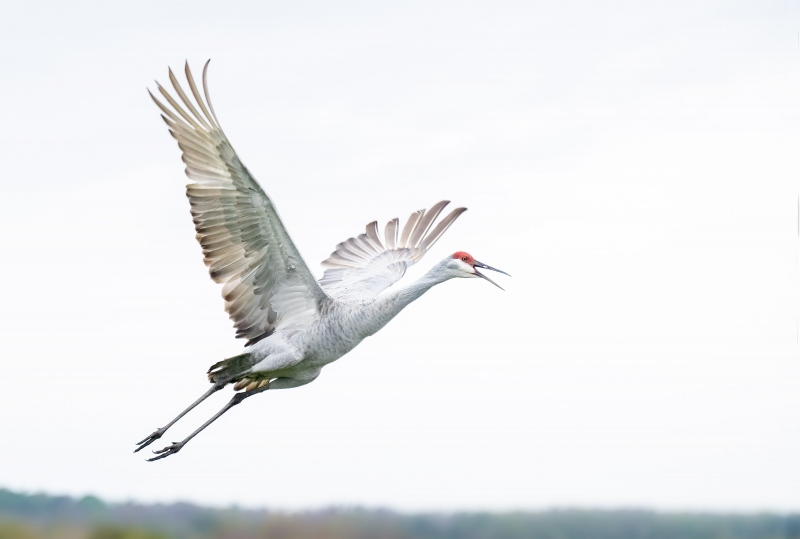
(45, 517)
(78, 497)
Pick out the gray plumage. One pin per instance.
(294, 324)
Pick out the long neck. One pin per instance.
(388, 306)
(403, 297)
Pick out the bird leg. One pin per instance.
(176, 446)
(159, 432)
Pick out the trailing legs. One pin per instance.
(277, 383)
(176, 446)
(159, 432)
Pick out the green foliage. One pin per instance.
(24, 516)
(109, 531)
(92, 505)
(16, 530)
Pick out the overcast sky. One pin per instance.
(633, 165)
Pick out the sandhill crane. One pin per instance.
(294, 324)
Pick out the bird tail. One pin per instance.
(231, 369)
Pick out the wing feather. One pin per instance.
(440, 229)
(409, 228)
(372, 236)
(390, 233)
(266, 284)
(425, 223)
(364, 266)
(185, 99)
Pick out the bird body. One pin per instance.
(291, 357)
(301, 355)
(294, 324)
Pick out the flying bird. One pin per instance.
(294, 324)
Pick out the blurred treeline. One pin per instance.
(24, 516)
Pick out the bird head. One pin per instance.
(463, 264)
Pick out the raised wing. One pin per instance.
(364, 266)
(266, 284)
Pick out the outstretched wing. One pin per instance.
(364, 266)
(266, 284)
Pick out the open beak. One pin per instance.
(484, 266)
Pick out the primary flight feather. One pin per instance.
(294, 324)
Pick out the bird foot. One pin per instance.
(167, 451)
(150, 439)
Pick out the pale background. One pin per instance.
(633, 165)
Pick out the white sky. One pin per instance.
(633, 165)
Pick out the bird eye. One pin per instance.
(464, 258)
